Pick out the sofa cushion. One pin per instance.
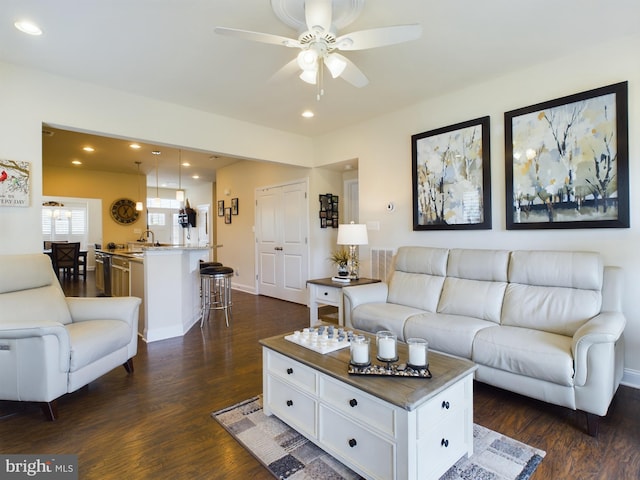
(415, 290)
(452, 334)
(551, 309)
(472, 298)
(44, 303)
(93, 339)
(533, 353)
(582, 270)
(24, 272)
(373, 317)
(475, 264)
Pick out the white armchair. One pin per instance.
(51, 345)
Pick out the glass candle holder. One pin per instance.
(418, 352)
(386, 344)
(360, 351)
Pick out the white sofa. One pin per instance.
(545, 324)
(51, 345)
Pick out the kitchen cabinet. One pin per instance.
(120, 277)
(136, 284)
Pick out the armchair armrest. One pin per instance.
(104, 308)
(606, 327)
(20, 330)
(361, 294)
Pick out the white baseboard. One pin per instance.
(631, 378)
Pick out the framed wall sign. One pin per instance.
(451, 177)
(15, 183)
(567, 162)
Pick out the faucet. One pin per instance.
(145, 235)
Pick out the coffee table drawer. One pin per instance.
(442, 446)
(447, 404)
(291, 371)
(291, 405)
(369, 452)
(358, 405)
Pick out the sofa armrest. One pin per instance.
(22, 330)
(104, 308)
(606, 327)
(361, 294)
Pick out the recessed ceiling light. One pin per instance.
(135, 146)
(89, 149)
(27, 27)
(196, 177)
(156, 152)
(186, 164)
(308, 114)
(76, 162)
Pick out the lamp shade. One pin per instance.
(352, 234)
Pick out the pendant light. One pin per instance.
(139, 204)
(180, 192)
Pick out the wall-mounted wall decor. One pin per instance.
(221, 208)
(227, 215)
(15, 183)
(567, 162)
(329, 210)
(452, 177)
(234, 206)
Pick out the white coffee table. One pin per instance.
(380, 427)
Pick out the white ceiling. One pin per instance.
(167, 49)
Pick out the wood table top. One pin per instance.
(407, 393)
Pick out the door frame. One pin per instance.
(256, 267)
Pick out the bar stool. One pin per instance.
(215, 288)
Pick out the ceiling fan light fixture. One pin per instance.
(309, 76)
(335, 64)
(308, 60)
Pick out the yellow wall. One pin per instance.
(109, 187)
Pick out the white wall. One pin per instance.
(385, 166)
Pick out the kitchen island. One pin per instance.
(167, 278)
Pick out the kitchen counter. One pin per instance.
(171, 277)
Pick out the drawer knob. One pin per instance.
(289, 371)
(445, 404)
(444, 443)
(352, 442)
(353, 402)
(289, 403)
(326, 293)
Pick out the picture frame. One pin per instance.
(15, 183)
(567, 162)
(227, 215)
(328, 213)
(234, 206)
(221, 208)
(451, 177)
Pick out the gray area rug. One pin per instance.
(289, 455)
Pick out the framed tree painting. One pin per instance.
(452, 178)
(567, 162)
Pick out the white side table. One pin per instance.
(324, 291)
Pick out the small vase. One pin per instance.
(343, 271)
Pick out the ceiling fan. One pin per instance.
(319, 42)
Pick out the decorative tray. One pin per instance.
(321, 340)
(393, 370)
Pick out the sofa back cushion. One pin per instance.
(555, 292)
(475, 284)
(30, 291)
(418, 277)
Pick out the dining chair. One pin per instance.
(65, 258)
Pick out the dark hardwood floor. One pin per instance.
(155, 424)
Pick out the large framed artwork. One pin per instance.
(452, 177)
(567, 162)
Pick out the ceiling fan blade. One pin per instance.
(317, 13)
(258, 37)
(378, 37)
(351, 73)
(289, 70)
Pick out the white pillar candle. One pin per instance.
(360, 351)
(417, 352)
(386, 343)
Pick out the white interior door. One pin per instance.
(281, 241)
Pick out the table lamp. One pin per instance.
(352, 234)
